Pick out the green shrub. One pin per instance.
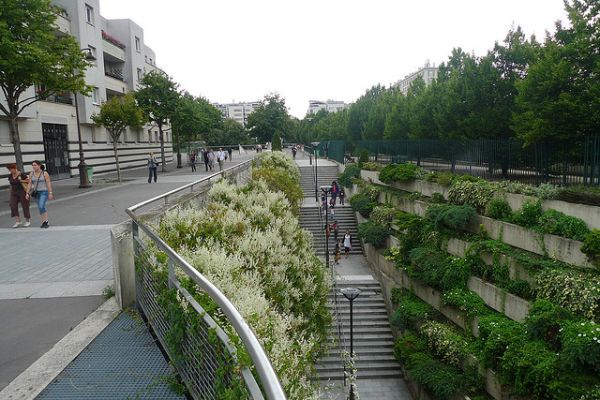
(580, 194)
(438, 198)
(362, 204)
(363, 156)
(476, 193)
(497, 333)
(441, 380)
(383, 215)
(444, 342)
(529, 214)
(441, 178)
(407, 345)
(498, 209)
(581, 344)
(450, 216)
(351, 171)
(398, 173)
(591, 245)
(557, 223)
(466, 301)
(411, 311)
(276, 142)
(435, 268)
(371, 166)
(544, 321)
(373, 233)
(280, 180)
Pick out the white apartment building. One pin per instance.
(48, 128)
(314, 106)
(237, 111)
(428, 73)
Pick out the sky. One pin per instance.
(240, 50)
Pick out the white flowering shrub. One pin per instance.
(248, 243)
(278, 160)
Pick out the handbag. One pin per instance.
(34, 193)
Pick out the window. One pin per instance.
(96, 96)
(89, 14)
(138, 44)
(156, 136)
(139, 74)
(149, 135)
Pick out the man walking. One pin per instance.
(221, 158)
(205, 157)
(230, 152)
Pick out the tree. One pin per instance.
(31, 53)
(269, 117)
(116, 115)
(158, 97)
(229, 132)
(276, 144)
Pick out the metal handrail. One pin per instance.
(269, 379)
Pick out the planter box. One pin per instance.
(371, 176)
(423, 187)
(510, 305)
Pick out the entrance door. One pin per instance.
(56, 150)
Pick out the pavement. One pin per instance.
(52, 279)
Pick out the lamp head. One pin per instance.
(326, 189)
(350, 293)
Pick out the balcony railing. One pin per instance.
(114, 74)
(64, 98)
(112, 40)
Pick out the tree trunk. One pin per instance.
(15, 138)
(178, 152)
(162, 149)
(117, 160)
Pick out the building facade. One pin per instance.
(48, 128)
(428, 73)
(314, 106)
(239, 112)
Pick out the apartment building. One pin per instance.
(314, 106)
(48, 128)
(237, 111)
(428, 73)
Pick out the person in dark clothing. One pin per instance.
(152, 166)
(335, 191)
(342, 195)
(230, 152)
(18, 183)
(205, 157)
(193, 161)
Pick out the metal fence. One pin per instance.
(205, 357)
(575, 162)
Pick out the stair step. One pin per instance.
(338, 375)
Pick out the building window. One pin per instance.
(138, 44)
(149, 135)
(139, 74)
(96, 96)
(156, 136)
(89, 14)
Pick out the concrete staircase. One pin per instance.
(325, 175)
(373, 340)
(310, 220)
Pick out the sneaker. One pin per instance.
(45, 224)
(27, 224)
(16, 225)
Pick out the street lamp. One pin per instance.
(83, 177)
(351, 294)
(325, 190)
(316, 175)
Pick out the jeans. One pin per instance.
(41, 200)
(151, 172)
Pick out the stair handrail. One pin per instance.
(339, 320)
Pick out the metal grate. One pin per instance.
(122, 362)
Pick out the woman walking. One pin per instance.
(335, 191)
(152, 166)
(347, 243)
(193, 161)
(18, 194)
(40, 188)
(211, 159)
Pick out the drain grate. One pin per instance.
(123, 362)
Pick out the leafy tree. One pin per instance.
(116, 115)
(158, 97)
(269, 117)
(31, 53)
(229, 132)
(276, 144)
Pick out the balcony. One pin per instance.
(61, 98)
(113, 47)
(115, 73)
(63, 23)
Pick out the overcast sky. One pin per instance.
(240, 50)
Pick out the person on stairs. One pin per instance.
(347, 243)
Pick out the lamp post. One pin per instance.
(325, 190)
(84, 182)
(316, 175)
(351, 294)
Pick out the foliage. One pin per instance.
(193, 119)
(373, 233)
(591, 245)
(116, 115)
(398, 173)
(279, 180)
(447, 216)
(441, 380)
(435, 268)
(407, 345)
(497, 334)
(411, 311)
(269, 117)
(529, 214)
(476, 194)
(580, 194)
(276, 142)
(31, 53)
(363, 157)
(581, 344)
(578, 292)
(557, 223)
(351, 171)
(445, 343)
(383, 215)
(277, 160)
(228, 132)
(362, 204)
(442, 178)
(371, 166)
(499, 209)
(545, 191)
(544, 321)
(466, 301)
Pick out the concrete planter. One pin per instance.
(371, 176)
(510, 305)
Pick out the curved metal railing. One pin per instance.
(269, 380)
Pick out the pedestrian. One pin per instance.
(211, 159)
(221, 157)
(347, 243)
(230, 152)
(294, 151)
(40, 188)
(205, 158)
(18, 194)
(152, 166)
(324, 203)
(193, 161)
(332, 213)
(328, 231)
(335, 191)
(336, 252)
(342, 195)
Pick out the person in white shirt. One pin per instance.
(221, 158)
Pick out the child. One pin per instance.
(338, 256)
(342, 195)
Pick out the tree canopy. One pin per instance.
(269, 117)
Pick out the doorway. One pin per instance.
(56, 150)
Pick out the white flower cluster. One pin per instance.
(278, 160)
(248, 243)
(444, 342)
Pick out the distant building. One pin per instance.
(428, 73)
(314, 106)
(237, 111)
